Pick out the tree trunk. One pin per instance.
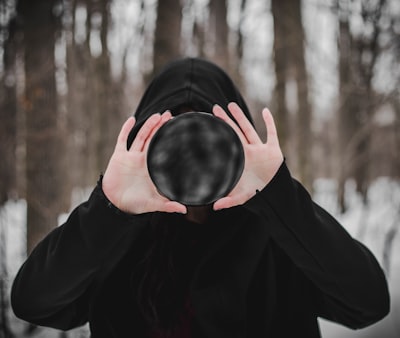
(348, 108)
(108, 121)
(219, 33)
(304, 118)
(240, 37)
(90, 111)
(8, 118)
(167, 34)
(357, 98)
(290, 66)
(369, 46)
(40, 105)
(281, 64)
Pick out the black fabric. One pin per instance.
(191, 82)
(268, 268)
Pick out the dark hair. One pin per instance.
(160, 282)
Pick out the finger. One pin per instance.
(219, 112)
(272, 135)
(172, 206)
(236, 197)
(227, 202)
(244, 124)
(124, 133)
(163, 204)
(145, 132)
(165, 117)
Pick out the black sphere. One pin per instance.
(195, 159)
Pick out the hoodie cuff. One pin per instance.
(114, 209)
(275, 192)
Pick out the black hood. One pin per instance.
(187, 83)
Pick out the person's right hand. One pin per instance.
(126, 182)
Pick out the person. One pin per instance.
(263, 261)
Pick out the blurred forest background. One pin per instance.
(72, 71)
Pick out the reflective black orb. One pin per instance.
(195, 159)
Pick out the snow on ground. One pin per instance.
(370, 223)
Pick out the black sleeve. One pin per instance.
(351, 285)
(53, 286)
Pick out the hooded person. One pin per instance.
(262, 261)
(193, 85)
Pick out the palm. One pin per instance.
(126, 181)
(262, 160)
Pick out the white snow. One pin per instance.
(370, 224)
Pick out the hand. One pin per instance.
(126, 182)
(262, 160)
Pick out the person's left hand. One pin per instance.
(262, 160)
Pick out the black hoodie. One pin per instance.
(191, 82)
(269, 268)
